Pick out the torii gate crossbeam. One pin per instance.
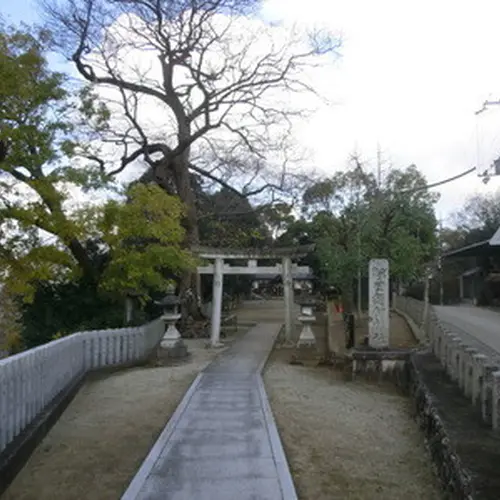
(219, 268)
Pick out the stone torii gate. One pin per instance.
(219, 269)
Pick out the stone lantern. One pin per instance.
(307, 318)
(172, 340)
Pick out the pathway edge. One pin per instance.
(282, 467)
(142, 474)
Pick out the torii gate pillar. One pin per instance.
(288, 296)
(217, 301)
(218, 270)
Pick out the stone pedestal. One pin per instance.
(307, 318)
(306, 337)
(172, 342)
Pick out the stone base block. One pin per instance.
(305, 355)
(175, 350)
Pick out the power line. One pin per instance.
(439, 183)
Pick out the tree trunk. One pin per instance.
(348, 296)
(359, 294)
(190, 286)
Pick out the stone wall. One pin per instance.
(379, 365)
(475, 373)
(402, 368)
(455, 480)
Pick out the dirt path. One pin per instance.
(347, 440)
(101, 439)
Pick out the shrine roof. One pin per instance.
(482, 248)
(474, 250)
(252, 253)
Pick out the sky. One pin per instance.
(409, 79)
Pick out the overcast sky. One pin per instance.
(410, 77)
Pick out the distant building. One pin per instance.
(274, 284)
(480, 284)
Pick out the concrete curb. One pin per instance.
(263, 363)
(147, 465)
(279, 457)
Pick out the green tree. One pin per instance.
(144, 239)
(401, 222)
(33, 182)
(225, 218)
(228, 220)
(479, 218)
(352, 219)
(113, 246)
(278, 218)
(217, 96)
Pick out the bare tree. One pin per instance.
(221, 80)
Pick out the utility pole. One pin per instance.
(358, 222)
(358, 171)
(494, 168)
(379, 167)
(440, 263)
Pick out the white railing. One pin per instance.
(474, 367)
(29, 381)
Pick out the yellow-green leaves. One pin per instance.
(27, 90)
(117, 246)
(141, 240)
(43, 263)
(145, 239)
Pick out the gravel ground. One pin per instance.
(347, 440)
(101, 439)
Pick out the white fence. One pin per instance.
(29, 381)
(473, 367)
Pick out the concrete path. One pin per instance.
(480, 328)
(222, 442)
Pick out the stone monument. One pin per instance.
(172, 342)
(378, 319)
